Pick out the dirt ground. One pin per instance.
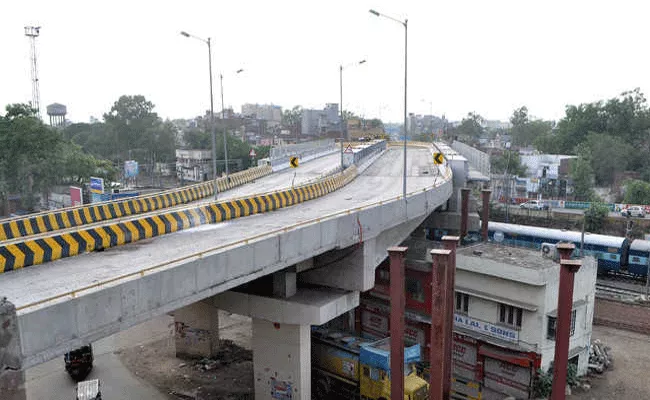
(231, 378)
(628, 377)
(228, 377)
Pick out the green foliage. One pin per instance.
(609, 156)
(471, 126)
(34, 157)
(525, 131)
(509, 162)
(582, 174)
(637, 192)
(595, 217)
(543, 381)
(292, 119)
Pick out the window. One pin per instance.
(414, 289)
(510, 315)
(462, 302)
(552, 326)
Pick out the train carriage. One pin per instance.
(638, 257)
(610, 251)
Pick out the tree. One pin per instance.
(582, 174)
(595, 217)
(525, 131)
(637, 192)
(509, 162)
(292, 120)
(132, 125)
(471, 126)
(34, 157)
(609, 156)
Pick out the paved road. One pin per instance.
(49, 381)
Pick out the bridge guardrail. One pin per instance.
(447, 174)
(38, 251)
(92, 213)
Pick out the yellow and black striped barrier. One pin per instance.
(88, 214)
(42, 250)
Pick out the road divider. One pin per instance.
(42, 250)
(92, 213)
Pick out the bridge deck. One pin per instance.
(382, 180)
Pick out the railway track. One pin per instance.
(618, 293)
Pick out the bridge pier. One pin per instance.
(196, 330)
(12, 374)
(282, 335)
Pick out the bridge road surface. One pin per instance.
(382, 180)
(49, 381)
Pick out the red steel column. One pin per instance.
(397, 302)
(450, 242)
(441, 260)
(464, 211)
(485, 193)
(568, 268)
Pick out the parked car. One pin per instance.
(633, 211)
(534, 205)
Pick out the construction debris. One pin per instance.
(600, 358)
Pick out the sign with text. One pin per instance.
(96, 185)
(486, 328)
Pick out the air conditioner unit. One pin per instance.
(549, 250)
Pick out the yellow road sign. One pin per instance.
(438, 158)
(293, 162)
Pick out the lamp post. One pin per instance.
(213, 134)
(341, 89)
(223, 121)
(405, 24)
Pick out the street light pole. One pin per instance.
(213, 134)
(342, 118)
(405, 25)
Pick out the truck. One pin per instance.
(346, 366)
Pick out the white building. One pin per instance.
(193, 165)
(268, 112)
(506, 299)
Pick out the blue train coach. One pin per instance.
(610, 251)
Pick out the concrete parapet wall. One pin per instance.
(78, 216)
(477, 159)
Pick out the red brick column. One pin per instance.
(450, 242)
(485, 193)
(397, 301)
(441, 259)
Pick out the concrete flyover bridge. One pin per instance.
(334, 242)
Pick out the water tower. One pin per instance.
(57, 113)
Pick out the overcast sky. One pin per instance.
(484, 56)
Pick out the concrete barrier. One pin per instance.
(42, 250)
(78, 216)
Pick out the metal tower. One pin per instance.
(32, 32)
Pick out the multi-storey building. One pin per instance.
(319, 122)
(505, 306)
(270, 113)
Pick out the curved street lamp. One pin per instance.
(213, 134)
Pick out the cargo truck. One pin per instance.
(345, 366)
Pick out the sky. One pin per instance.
(488, 57)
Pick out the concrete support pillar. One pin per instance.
(284, 283)
(450, 243)
(439, 321)
(196, 330)
(397, 303)
(281, 360)
(12, 375)
(485, 194)
(464, 211)
(568, 268)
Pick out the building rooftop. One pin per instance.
(514, 256)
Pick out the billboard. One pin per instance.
(76, 196)
(130, 169)
(96, 185)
